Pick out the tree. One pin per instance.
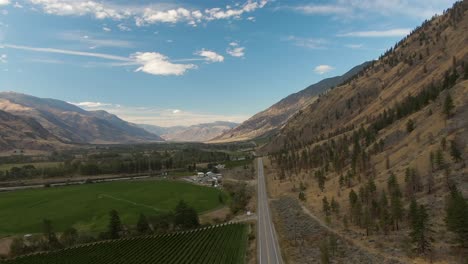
(114, 227)
(302, 196)
(143, 225)
(324, 252)
(185, 216)
(413, 212)
(455, 152)
(457, 215)
(410, 125)
(448, 106)
(384, 216)
(396, 209)
(420, 233)
(69, 237)
(439, 159)
(367, 221)
(325, 206)
(49, 233)
(335, 206)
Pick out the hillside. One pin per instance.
(361, 153)
(18, 133)
(273, 118)
(196, 133)
(72, 124)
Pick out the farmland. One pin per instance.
(219, 244)
(86, 207)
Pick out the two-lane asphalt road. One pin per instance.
(268, 248)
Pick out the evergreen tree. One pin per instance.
(325, 206)
(335, 206)
(114, 227)
(448, 106)
(69, 237)
(324, 252)
(367, 221)
(185, 216)
(302, 196)
(420, 233)
(439, 159)
(384, 217)
(143, 225)
(396, 209)
(455, 152)
(410, 125)
(49, 234)
(413, 212)
(457, 215)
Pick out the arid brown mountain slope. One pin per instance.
(195, 133)
(405, 116)
(72, 124)
(273, 118)
(19, 133)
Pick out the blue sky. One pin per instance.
(186, 62)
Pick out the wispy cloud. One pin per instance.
(235, 50)
(354, 46)
(144, 15)
(148, 62)
(210, 56)
(397, 32)
(311, 43)
(362, 8)
(158, 116)
(92, 41)
(322, 69)
(4, 2)
(106, 29)
(3, 58)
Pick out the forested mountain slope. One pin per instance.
(383, 157)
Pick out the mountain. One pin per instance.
(22, 132)
(197, 133)
(396, 131)
(71, 124)
(273, 118)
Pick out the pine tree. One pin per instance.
(413, 212)
(455, 152)
(420, 233)
(143, 225)
(302, 196)
(185, 216)
(396, 209)
(448, 106)
(50, 235)
(410, 125)
(439, 159)
(384, 216)
(335, 206)
(324, 252)
(457, 215)
(115, 225)
(325, 206)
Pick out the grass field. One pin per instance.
(219, 244)
(86, 207)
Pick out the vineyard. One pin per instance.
(217, 244)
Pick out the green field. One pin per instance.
(86, 207)
(220, 244)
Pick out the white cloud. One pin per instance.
(210, 56)
(123, 27)
(354, 46)
(158, 64)
(158, 116)
(149, 62)
(397, 32)
(91, 104)
(144, 15)
(322, 9)
(362, 8)
(17, 5)
(77, 36)
(235, 50)
(4, 2)
(106, 29)
(3, 58)
(311, 43)
(322, 69)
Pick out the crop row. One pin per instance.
(218, 244)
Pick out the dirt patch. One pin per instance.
(301, 237)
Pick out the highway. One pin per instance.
(268, 248)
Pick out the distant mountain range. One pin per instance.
(273, 118)
(199, 133)
(53, 122)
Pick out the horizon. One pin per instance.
(170, 68)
